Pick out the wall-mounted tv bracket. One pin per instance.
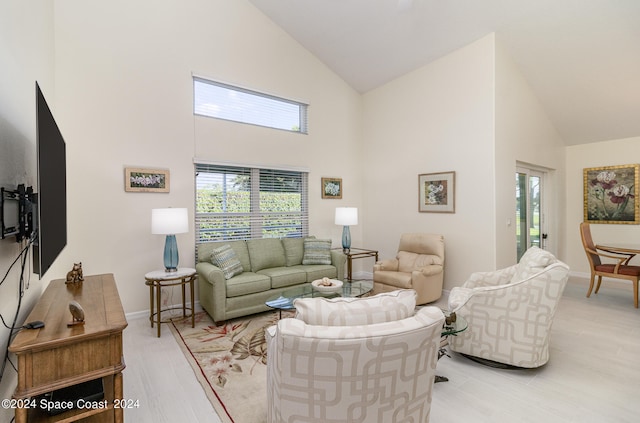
(22, 198)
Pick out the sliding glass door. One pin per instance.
(529, 215)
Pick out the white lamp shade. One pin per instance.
(346, 216)
(169, 221)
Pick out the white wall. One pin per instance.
(438, 118)
(26, 55)
(524, 134)
(124, 74)
(471, 112)
(608, 153)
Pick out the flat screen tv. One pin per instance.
(51, 198)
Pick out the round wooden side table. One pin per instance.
(159, 279)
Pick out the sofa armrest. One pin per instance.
(387, 264)
(339, 259)
(212, 290)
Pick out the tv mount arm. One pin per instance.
(23, 197)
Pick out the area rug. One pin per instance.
(229, 361)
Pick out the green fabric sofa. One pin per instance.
(269, 267)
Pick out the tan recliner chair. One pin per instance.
(419, 265)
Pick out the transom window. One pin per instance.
(223, 101)
(244, 203)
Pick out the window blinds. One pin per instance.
(243, 203)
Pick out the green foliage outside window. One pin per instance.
(227, 215)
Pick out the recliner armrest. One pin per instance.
(432, 269)
(387, 264)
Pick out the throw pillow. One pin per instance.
(533, 261)
(317, 251)
(226, 259)
(342, 311)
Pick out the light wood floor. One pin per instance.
(593, 375)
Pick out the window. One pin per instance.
(244, 203)
(222, 101)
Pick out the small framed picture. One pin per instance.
(436, 192)
(332, 188)
(146, 180)
(611, 194)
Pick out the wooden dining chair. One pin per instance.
(619, 269)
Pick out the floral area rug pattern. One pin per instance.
(229, 362)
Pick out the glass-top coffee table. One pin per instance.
(451, 328)
(349, 289)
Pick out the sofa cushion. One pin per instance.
(284, 276)
(384, 307)
(293, 250)
(533, 261)
(266, 253)
(226, 259)
(247, 283)
(317, 251)
(319, 271)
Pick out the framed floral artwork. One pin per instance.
(436, 192)
(611, 193)
(332, 188)
(146, 180)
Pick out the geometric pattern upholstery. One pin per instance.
(509, 321)
(352, 311)
(382, 372)
(532, 261)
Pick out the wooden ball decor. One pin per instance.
(77, 314)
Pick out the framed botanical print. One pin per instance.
(436, 192)
(611, 194)
(146, 180)
(332, 188)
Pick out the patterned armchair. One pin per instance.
(418, 265)
(510, 311)
(367, 366)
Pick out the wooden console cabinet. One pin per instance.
(57, 356)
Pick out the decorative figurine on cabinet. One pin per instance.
(75, 274)
(77, 314)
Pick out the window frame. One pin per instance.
(244, 114)
(244, 225)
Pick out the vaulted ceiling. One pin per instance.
(581, 57)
